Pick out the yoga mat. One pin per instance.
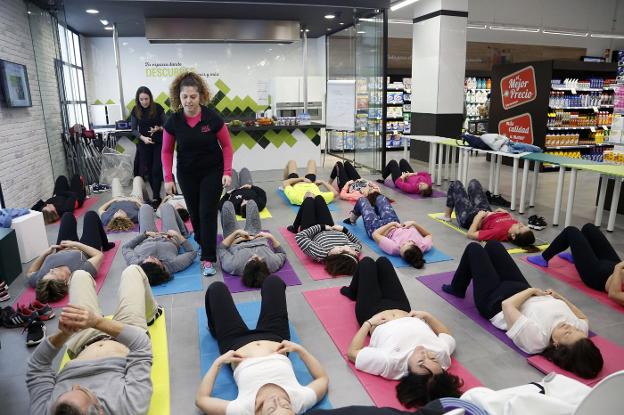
(28, 296)
(235, 283)
(336, 313)
(611, 353)
(436, 193)
(189, 225)
(160, 403)
(86, 206)
(315, 269)
(264, 214)
(187, 280)
(511, 248)
(566, 272)
(431, 256)
(225, 386)
(295, 208)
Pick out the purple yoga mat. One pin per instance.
(465, 305)
(436, 193)
(235, 283)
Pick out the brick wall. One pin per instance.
(25, 168)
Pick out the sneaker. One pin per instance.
(36, 332)
(537, 222)
(208, 269)
(500, 201)
(4, 292)
(291, 229)
(10, 319)
(157, 314)
(44, 311)
(445, 218)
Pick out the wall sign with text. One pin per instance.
(518, 88)
(518, 128)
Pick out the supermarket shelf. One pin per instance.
(395, 119)
(577, 89)
(395, 105)
(581, 108)
(604, 127)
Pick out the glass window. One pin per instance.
(81, 89)
(73, 94)
(69, 93)
(63, 41)
(77, 49)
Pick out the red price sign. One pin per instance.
(518, 88)
(518, 128)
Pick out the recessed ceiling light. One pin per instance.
(401, 4)
(104, 22)
(108, 28)
(341, 23)
(92, 11)
(307, 30)
(29, 12)
(330, 16)
(360, 32)
(329, 28)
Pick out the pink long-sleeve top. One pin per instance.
(410, 184)
(213, 122)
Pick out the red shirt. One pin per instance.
(496, 226)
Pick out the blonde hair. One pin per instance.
(120, 224)
(188, 79)
(50, 290)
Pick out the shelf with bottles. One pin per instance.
(563, 100)
(585, 85)
(561, 119)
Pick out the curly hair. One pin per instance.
(120, 224)
(583, 358)
(188, 79)
(416, 390)
(50, 290)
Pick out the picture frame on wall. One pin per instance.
(15, 86)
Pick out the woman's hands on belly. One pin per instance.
(384, 317)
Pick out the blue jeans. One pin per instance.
(377, 216)
(466, 204)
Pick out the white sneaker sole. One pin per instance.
(537, 227)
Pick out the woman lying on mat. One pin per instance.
(66, 197)
(296, 188)
(474, 213)
(121, 213)
(264, 375)
(51, 272)
(157, 253)
(248, 252)
(350, 183)
(407, 240)
(178, 203)
(409, 345)
(406, 180)
(242, 190)
(321, 240)
(537, 321)
(597, 263)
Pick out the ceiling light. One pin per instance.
(341, 23)
(564, 33)
(476, 26)
(607, 35)
(307, 30)
(108, 28)
(398, 21)
(92, 11)
(329, 28)
(330, 16)
(516, 28)
(29, 12)
(401, 4)
(361, 32)
(104, 22)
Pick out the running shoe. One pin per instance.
(4, 292)
(537, 222)
(208, 269)
(44, 310)
(10, 318)
(157, 314)
(36, 332)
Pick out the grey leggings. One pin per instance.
(170, 218)
(240, 179)
(466, 204)
(253, 225)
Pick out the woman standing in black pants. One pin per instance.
(147, 120)
(537, 321)
(597, 263)
(409, 345)
(264, 375)
(204, 159)
(321, 240)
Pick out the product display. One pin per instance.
(398, 110)
(476, 96)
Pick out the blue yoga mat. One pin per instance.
(431, 256)
(332, 206)
(225, 387)
(185, 280)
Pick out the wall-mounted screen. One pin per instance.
(14, 80)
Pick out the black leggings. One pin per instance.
(313, 211)
(344, 172)
(376, 288)
(93, 233)
(62, 186)
(494, 274)
(594, 257)
(396, 169)
(310, 176)
(227, 326)
(202, 191)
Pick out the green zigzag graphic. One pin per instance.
(277, 138)
(241, 138)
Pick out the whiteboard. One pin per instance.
(340, 112)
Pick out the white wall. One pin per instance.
(605, 16)
(25, 167)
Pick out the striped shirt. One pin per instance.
(316, 242)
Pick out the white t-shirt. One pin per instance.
(393, 343)
(254, 372)
(540, 315)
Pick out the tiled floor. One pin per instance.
(492, 362)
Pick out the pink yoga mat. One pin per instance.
(86, 206)
(28, 295)
(566, 272)
(315, 269)
(611, 353)
(336, 313)
(436, 193)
